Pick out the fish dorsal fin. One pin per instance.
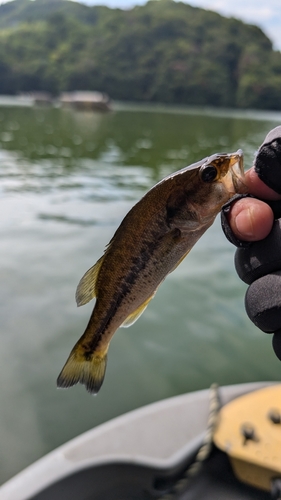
(86, 289)
(132, 318)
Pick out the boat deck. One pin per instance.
(215, 481)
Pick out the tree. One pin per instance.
(163, 51)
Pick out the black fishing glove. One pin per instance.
(259, 263)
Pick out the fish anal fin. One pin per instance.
(86, 289)
(134, 316)
(88, 370)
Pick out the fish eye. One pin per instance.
(209, 173)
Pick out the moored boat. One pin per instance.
(86, 100)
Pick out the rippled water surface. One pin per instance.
(66, 181)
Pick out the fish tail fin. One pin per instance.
(88, 369)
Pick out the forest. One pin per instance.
(163, 51)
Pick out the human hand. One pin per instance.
(251, 219)
(255, 227)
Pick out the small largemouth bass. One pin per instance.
(151, 241)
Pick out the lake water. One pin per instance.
(67, 180)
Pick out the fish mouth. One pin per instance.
(234, 179)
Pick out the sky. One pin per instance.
(264, 13)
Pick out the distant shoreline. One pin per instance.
(146, 107)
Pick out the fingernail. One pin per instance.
(244, 223)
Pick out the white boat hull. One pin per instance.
(134, 452)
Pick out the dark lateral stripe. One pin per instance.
(140, 262)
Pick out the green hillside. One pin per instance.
(19, 11)
(163, 51)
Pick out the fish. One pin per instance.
(151, 241)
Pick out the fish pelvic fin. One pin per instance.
(179, 262)
(88, 369)
(133, 317)
(86, 289)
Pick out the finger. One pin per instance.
(258, 188)
(262, 302)
(268, 160)
(250, 219)
(259, 259)
(276, 343)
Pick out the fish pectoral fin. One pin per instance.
(86, 289)
(132, 318)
